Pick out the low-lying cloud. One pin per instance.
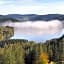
(37, 27)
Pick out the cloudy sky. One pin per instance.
(31, 6)
(42, 30)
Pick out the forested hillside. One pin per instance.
(55, 49)
(20, 51)
(31, 17)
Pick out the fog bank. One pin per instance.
(37, 27)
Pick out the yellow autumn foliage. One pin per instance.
(52, 62)
(43, 58)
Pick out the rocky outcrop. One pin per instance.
(6, 32)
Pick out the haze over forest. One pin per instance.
(35, 27)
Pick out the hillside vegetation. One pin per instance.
(31, 17)
(20, 51)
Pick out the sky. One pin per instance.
(40, 7)
(31, 7)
